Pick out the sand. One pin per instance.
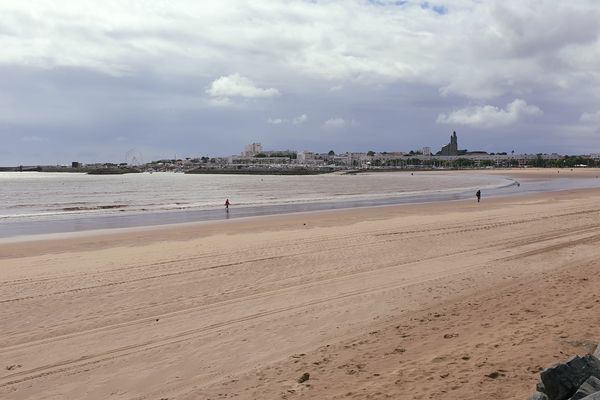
(454, 300)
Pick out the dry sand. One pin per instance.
(455, 300)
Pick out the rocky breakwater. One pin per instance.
(576, 379)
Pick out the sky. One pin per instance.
(92, 81)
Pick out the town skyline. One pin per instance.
(254, 155)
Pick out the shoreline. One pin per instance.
(63, 222)
(17, 246)
(535, 181)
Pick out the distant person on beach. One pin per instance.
(227, 204)
(478, 195)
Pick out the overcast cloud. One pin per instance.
(89, 81)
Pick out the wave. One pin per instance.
(91, 208)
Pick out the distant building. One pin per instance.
(75, 164)
(451, 149)
(304, 156)
(251, 150)
(426, 151)
(259, 161)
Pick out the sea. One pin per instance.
(33, 203)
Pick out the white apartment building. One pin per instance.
(252, 149)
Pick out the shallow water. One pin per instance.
(40, 203)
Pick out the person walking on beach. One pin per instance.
(226, 204)
(478, 195)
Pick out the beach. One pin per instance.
(453, 299)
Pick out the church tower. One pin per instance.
(451, 149)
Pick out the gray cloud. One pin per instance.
(338, 123)
(593, 117)
(203, 77)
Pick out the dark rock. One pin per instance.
(592, 385)
(561, 381)
(495, 375)
(594, 396)
(305, 376)
(538, 396)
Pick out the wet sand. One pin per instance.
(456, 300)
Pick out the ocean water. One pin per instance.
(39, 203)
(39, 195)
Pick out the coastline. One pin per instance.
(366, 300)
(181, 231)
(535, 181)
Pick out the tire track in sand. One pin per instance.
(124, 351)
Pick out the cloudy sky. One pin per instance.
(88, 80)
